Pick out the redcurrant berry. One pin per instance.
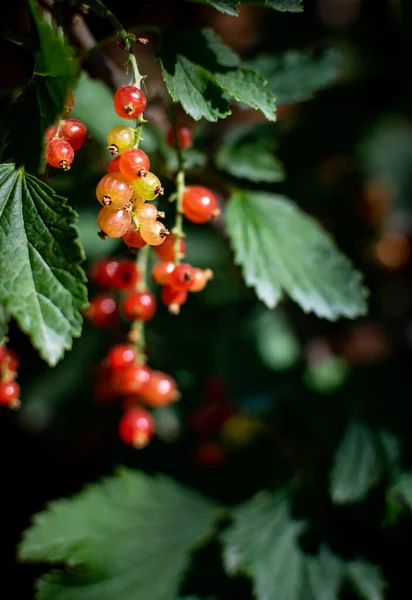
(134, 163)
(161, 272)
(139, 306)
(148, 187)
(199, 204)
(126, 275)
(102, 272)
(136, 427)
(146, 212)
(9, 393)
(159, 390)
(68, 105)
(74, 132)
(166, 251)
(181, 278)
(173, 299)
(130, 379)
(114, 190)
(133, 238)
(184, 137)
(113, 223)
(200, 278)
(153, 232)
(114, 165)
(121, 355)
(102, 311)
(120, 138)
(59, 154)
(129, 102)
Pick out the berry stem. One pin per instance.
(138, 131)
(127, 38)
(137, 331)
(180, 188)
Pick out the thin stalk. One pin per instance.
(180, 188)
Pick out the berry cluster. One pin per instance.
(64, 138)
(177, 278)
(129, 184)
(9, 388)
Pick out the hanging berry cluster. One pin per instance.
(9, 388)
(64, 138)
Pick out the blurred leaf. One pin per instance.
(42, 283)
(281, 249)
(199, 70)
(92, 93)
(363, 458)
(4, 323)
(264, 543)
(230, 7)
(42, 102)
(248, 152)
(296, 76)
(327, 375)
(118, 533)
(276, 342)
(404, 488)
(366, 579)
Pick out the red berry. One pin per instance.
(113, 223)
(68, 105)
(166, 251)
(153, 232)
(121, 355)
(103, 271)
(159, 390)
(173, 299)
(184, 137)
(13, 360)
(161, 272)
(130, 379)
(136, 427)
(133, 238)
(102, 311)
(74, 132)
(129, 102)
(181, 277)
(9, 392)
(139, 306)
(199, 204)
(126, 276)
(59, 154)
(114, 165)
(209, 455)
(200, 278)
(134, 163)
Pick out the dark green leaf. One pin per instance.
(404, 488)
(248, 152)
(281, 249)
(229, 7)
(118, 534)
(42, 282)
(297, 76)
(363, 458)
(199, 72)
(4, 323)
(263, 542)
(43, 100)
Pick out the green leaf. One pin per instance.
(297, 76)
(282, 5)
(118, 534)
(42, 102)
(42, 283)
(263, 542)
(404, 488)
(362, 459)
(276, 342)
(281, 249)
(248, 152)
(229, 7)
(199, 72)
(366, 579)
(4, 323)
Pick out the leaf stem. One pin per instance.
(180, 188)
